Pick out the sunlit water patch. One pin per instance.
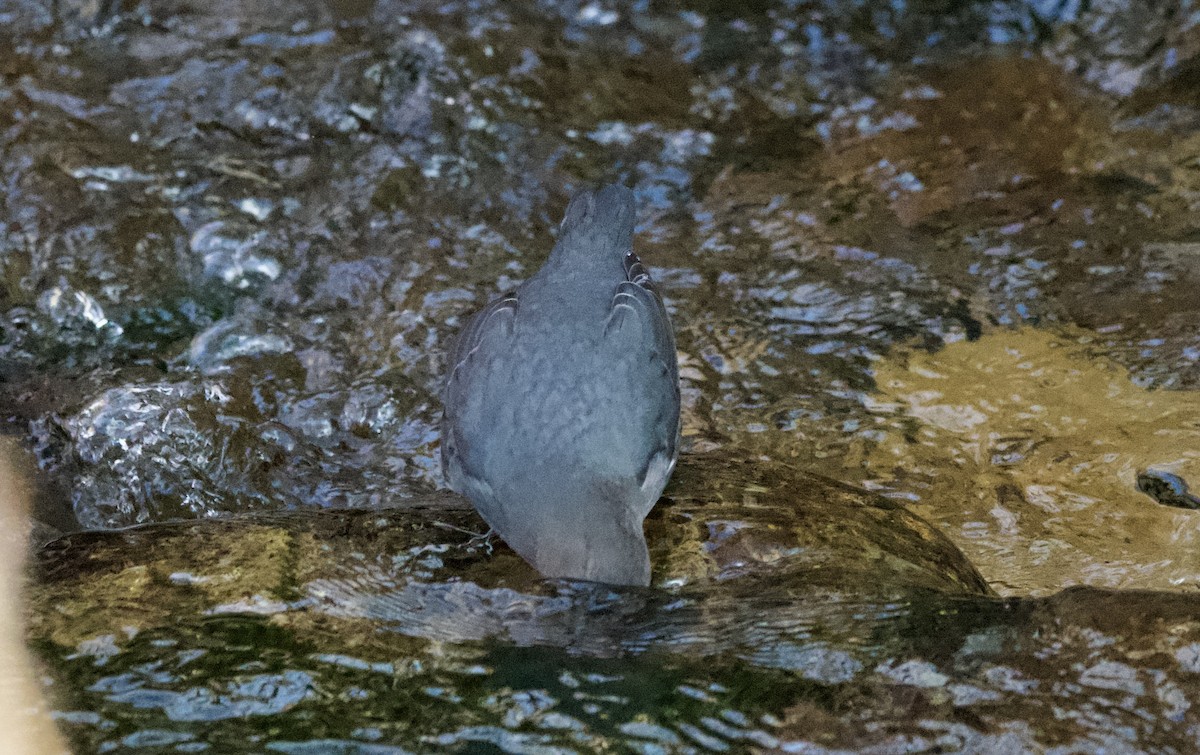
(1027, 447)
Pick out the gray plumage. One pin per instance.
(562, 403)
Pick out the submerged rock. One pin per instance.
(729, 523)
(788, 611)
(1028, 451)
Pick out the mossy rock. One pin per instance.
(726, 526)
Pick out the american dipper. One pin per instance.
(561, 415)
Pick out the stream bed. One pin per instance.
(933, 269)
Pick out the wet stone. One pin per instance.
(305, 626)
(799, 531)
(1168, 489)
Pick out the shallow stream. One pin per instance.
(943, 252)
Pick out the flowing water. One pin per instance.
(945, 252)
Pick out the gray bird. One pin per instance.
(561, 415)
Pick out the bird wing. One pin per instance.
(637, 313)
(496, 320)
